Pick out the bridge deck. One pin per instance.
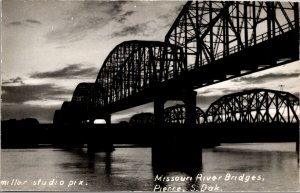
(203, 134)
(271, 53)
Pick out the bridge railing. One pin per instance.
(260, 38)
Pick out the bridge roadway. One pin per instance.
(204, 135)
(271, 53)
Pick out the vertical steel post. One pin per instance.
(254, 23)
(238, 23)
(197, 35)
(246, 23)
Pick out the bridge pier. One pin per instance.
(100, 138)
(176, 147)
(190, 106)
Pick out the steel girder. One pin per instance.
(211, 30)
(134, 66)
(255, 106)
(177, 114)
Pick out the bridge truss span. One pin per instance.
(236, 38)
(177, 114)
(88, 97)
(209, 42)
(255, 106)
(83, 96)
(135, 66)
(210, 30)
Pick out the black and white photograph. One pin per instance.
(162, 96)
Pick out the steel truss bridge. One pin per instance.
(251, 106)
(209, 42)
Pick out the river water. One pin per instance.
(234, 167)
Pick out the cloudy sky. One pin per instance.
(48, 47)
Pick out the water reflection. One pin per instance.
(176, 171)
(93, 158)
(91, 161)
(133, 169)
(176, 181)
(108, 160)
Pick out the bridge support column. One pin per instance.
(159, 110)
(108, 119)
(99, 135)
(190, 108)
(176, 147)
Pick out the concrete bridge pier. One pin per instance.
(100, 137)
(176, 147)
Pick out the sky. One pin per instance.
(48, 47)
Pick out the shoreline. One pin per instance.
(288, 147)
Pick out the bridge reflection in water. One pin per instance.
(209, 42)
